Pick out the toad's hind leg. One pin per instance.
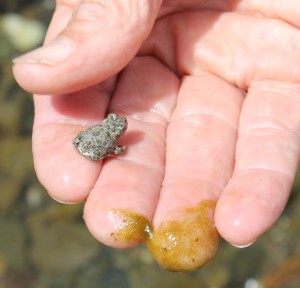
(119, 149)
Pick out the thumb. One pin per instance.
(98, 41)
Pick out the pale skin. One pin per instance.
(212, 97)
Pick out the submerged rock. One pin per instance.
(24, 34)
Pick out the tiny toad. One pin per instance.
(100, 141)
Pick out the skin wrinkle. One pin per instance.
(206, 170)
(289, 90)
(133, 13)
(199, 119)
(259, 169)
(276, 87)
(239, 64)
(273, 124)
(60, 106)
(88, 13)
(266, 166)
(264, 125)
(53, 139)
(131, 160)
(195, 181)
(102, 187)
(272, 165)
(201, 125)
(159, 119)
(55, 118)
(92, 10)
(143, 165)
(156, 109)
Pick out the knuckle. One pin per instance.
(266, 125)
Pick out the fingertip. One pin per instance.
(250, 204)
(236, 222)
(66, 175)
(54, 68)
(117, 228)
(29, 77)
(186, 238)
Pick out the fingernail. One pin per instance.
(243, 246)
(51, 54)
(61, 201)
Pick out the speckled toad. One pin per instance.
(100, 141)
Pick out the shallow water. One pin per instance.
(46, 244)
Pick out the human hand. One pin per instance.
(212, 110)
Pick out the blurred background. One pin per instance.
(46, 244)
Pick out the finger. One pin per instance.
(58, 119)
(200, 155)
(205, 121)
(128, 186)
(267, 157)
(98, 41)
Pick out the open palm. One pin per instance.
(211, 95)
